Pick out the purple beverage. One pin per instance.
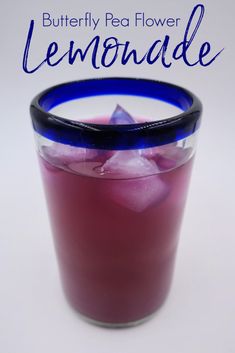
(116, 218)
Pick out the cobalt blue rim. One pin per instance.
(116, 137)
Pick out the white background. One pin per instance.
(199, 315)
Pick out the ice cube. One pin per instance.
(129, 164)
(137, 194)
(60, 154)
(152, 152)
(149, 153)
(121, 117)
(169, 157)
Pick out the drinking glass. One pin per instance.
(116, 156)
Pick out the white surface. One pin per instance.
(199, 315)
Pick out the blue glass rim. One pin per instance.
(116, 137)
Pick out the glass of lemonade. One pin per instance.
(116, 156)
